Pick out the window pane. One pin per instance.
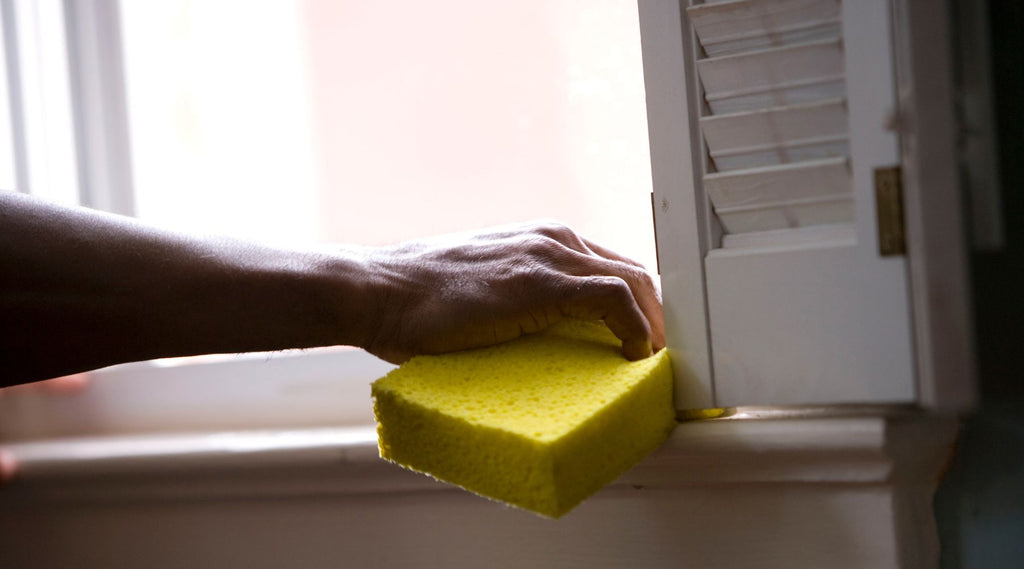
(369, 122)
(43, 102)
(8, 174)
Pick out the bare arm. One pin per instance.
(81, 290)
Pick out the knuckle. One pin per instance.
(635, 275)
(542, 249)
(641, 276)
(553, 228)
(531, 279)
(610, 287)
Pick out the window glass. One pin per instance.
(38, 85)
(374, 122)
(8, 174)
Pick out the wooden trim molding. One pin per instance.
(739, 449)
(773, 489)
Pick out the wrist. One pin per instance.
(241, 298)
(348, 290)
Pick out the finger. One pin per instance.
(641, 284)
(609, 254)
(610, 298)
(552, 230)
(66, 384)
(508, 231)
(63, 385)
(649, 298)
(657, 321)
(8, 467)
(639, 279)
(564, 235)
(644, 288)
(568, 237)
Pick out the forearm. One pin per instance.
(81, 290)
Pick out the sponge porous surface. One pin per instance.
(541, 422)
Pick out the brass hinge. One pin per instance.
(889, 204)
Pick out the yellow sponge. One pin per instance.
(541, 422)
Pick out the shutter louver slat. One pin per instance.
(732, 27)
(776, 126)
(779, 135)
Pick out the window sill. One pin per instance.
(281, 391)
(755, 490)
(752, 448)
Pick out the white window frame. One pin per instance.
(933, 208)
(99, 101)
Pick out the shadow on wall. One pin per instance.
(980, 505)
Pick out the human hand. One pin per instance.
(59, 385)
(67, 384)
(471, 290)
(8, 467)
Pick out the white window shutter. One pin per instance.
(684, 227)
(770, 120)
